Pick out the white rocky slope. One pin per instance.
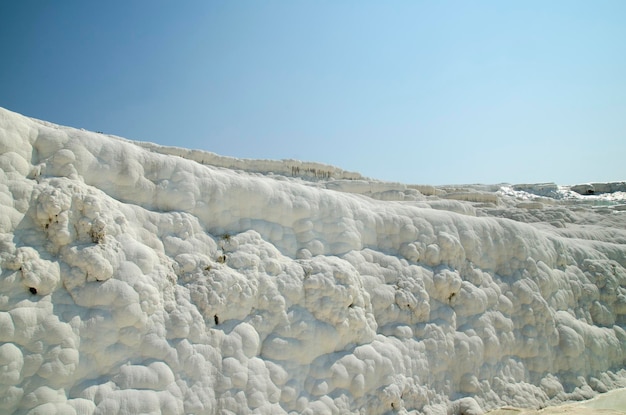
(135, 280)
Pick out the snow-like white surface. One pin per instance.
(609, 403)
(144, 279)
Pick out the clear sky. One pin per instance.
(430, 92)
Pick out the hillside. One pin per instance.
(138, 278)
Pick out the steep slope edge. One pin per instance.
(140, 282)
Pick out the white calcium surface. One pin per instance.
(137, 278)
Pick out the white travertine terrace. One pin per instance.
(137, 278)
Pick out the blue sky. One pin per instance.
(431, 92)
